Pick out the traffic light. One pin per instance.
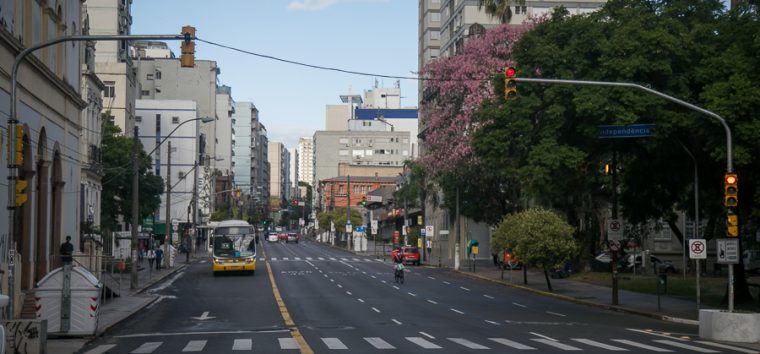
(510, 84)
(364, 201)
(606, 169)
(21, 191)
(17, 160)
(187, 60)
(237, 192)
(731, 184)
(732, 225)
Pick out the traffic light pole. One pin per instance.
(13, 120)
(729, 153)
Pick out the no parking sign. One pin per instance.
(697, 249)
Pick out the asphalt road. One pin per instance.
(340, 302)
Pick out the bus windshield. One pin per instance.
(233, 242)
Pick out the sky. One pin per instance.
(371, 36)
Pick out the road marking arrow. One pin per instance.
(204, 316)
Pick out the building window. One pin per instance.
(356, 189)
(435, 16)
(145, 93)
(364, 189)
(149, 77)
(158, 74)
(341, 189)
(138, 119)
(435, 35)
(175, 120)
(110, 89)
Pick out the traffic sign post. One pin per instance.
(698, 251)
(614, 230)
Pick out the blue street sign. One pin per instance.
(360, 229)
(625, 131)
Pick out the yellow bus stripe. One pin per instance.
(294, 332)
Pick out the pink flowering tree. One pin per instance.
(455, 88)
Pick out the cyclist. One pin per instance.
(398, 263)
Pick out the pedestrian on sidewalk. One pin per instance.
(159, 256)
(151, 258)
(67, 251)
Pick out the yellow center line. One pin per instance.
(294, 332)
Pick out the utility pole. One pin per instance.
(614, 216)
(195, 213)
(135, 209)
(167, 237)
(350, 235)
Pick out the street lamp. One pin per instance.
(135, 190)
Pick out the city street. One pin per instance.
(340, 301)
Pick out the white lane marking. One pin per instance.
(379, 343)
(203, 261)
(649, 333)
(396, 321)
(273, 259)
(542, 336)
(556, 314)
(167, 283)
(242, 344)
(373, 277)
(332, 280)
(447, 283)
(311, 264)
(284, 258)
(355, 259)
(521, 305)
(432, 302)
(463, 288)
(148, 347)
(340, 286)
(344, 259)
(427, 335)
(308, 258)
(288, 343)
(642, 346)
(101, 349)
(684, 346)
(431, 278)
(321, 258)
(512, 344)
(349, 293)
(488, 296)
(379, 260)
(325, 275)
(365, 273)
(161, 298)
(396, 287)
(174, 334)
(376, 310)
(360, 300)
(594, 343)
(333, 259)
(424, 343)
(411, 294)
(493, 323)
(729, 347)
(262, 259)
(334, 343)
(468, 344)
(194, 346)
(384, 282)
(457, 311)
(555, 344)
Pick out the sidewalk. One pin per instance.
(115, 310)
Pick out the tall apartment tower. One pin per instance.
(278, 170)
(306, 160)
(113, 63)
(244, 121)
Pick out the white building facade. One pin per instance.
(306, 160)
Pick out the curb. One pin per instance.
(585, 302)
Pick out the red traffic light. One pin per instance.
(510, 72)
(731, 179)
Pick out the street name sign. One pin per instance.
(697, 249)
(728, 251)
(625, 131)
(374, 227)
(614, 230)
(374, 198)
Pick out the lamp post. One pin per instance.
(133, 280)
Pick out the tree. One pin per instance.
(116, 198)
(538, 237)
(499, 8)
(338, 217)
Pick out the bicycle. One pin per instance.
(398, 273)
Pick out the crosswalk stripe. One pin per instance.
(557, 345)
(284, 258)
(379, 343)
(262, 259)
(424, 343)
(101, 349)
(148, 347)
(288, 343)
(334, 343)
(194, 346)
(333, 259)
(355, 259)
(308, 258)
(298, 258)
(321, 259)
(729, 347)
(685, 346)
(242, 344)
(273, 258)
(594, 343)
(642, 346)
(344, 259)
(468, 344)
(512, 344)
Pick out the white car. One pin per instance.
(272, 237)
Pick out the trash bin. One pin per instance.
(85, 290)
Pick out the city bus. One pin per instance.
(234, 247)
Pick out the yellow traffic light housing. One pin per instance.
(364, 201)
(237, 192)
(606, 169)
(510, 84)
(18, 159)
(731, 185)
(187, 59)
(21, 192)
(732, 225)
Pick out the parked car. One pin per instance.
(272, 237)
(292, 237)
(411, 254)
(601, 263)
(751, 259)
(283, 236)
(659, 265)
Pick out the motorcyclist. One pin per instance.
(397, 258)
